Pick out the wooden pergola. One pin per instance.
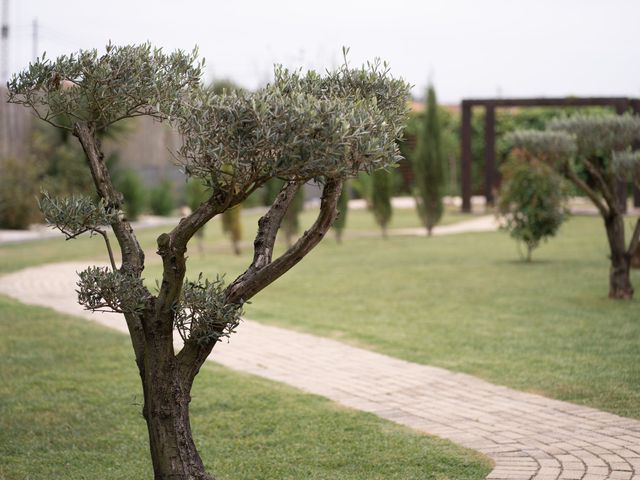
(619, 104)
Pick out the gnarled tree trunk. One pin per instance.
(619, 273)
(167, 394)
(635, 258)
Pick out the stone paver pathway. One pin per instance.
(527, 436)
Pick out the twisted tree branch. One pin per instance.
(593, 196)
(132, 253)
(605, 186)
(262, 271)
(246, 286)
(635, 239)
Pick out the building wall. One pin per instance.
(144, 145)
(15, 128)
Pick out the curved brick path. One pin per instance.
(527, 436)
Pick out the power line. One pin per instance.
(34, 40)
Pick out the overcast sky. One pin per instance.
(469, 48)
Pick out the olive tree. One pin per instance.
(592, 152)
(299, 128)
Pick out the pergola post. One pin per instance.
(621, 105)
(465, 156)
(635, 108)
(489, 153)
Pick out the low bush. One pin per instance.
(18, 191)
(161, 199)
(134, 192)
(532, 201)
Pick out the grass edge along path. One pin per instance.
(545, 328)
(70, 409)
(467, 303)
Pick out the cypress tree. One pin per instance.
(196, 193)
(232, 226)
(381, 198)
(291, 220)
(428, 166)
(343, 208)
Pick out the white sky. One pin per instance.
(470, 48)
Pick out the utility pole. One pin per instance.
(5, 114)
(34, 40)
(4, 38)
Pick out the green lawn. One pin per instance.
(467, 303)
(70, 409)
(16, 256)
(462, 302)
(362, 220)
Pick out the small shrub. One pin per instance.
(291, 220)
(161, 199)
(232, 226)
(532, 201)
(196, 193)
(134, 194)
(381, 198)
(18, 189)
(343, 208)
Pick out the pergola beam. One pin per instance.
(489, 153)
(620, 104)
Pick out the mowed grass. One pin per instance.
(14, 256)
(467, 303)
(463, 302)
(70, 409)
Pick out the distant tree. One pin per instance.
(298, 128)
(161, 199)
(224, 86)
(291, 220)
(196, 194)
(61, 160)
(133, 191)
(270, 191)
(362, 187)
(56, 163)
(532, 201)
(592, 152)
(18, 191)
(627, 165)
(429, 166)
(232, 226)
(381, 199)
(343, 209)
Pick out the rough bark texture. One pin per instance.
(635, 259)
(605, 197)
(619, 280)
(166, 389)
(634, 246)
(167, 378)
(166, 411)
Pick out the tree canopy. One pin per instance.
(298, 128)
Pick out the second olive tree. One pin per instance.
(594, 154)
